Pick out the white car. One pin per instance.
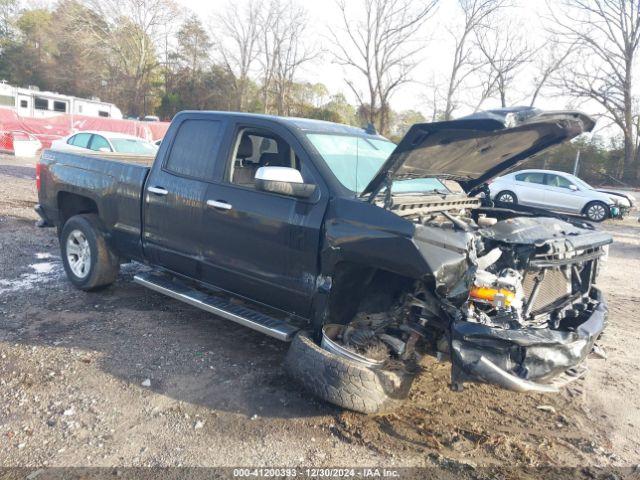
(105, 142)
(558, 191)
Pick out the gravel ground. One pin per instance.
(127, 377)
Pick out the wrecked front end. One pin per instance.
(533, 313)
(528, 358)
(507, 297)
(525, 313)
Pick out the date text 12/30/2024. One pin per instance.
(316, 472)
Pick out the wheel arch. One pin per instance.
(71, 204)
(358, 287)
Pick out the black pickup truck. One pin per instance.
(366, 254)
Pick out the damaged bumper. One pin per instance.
(527, 359)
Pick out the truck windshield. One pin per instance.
(355, 160)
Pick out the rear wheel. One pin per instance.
(596, 211)
(87, 260)
(344, 382)
(507, 197)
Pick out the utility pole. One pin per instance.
(576, 164)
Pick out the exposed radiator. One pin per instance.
(556, 285)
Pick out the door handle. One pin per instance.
(219, 204)
(158, 190)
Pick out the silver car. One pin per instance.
(106, 142)
(558, 191)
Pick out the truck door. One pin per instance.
(262, 245)
(174, 195)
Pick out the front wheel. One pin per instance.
(597, 211)
(88, 261)
(344, 382)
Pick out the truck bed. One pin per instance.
(142, 160)
(114, 182)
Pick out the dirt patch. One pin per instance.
(127, 377)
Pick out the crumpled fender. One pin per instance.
(365, 234)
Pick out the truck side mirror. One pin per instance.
(283, 180)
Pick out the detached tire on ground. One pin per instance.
(87, 260)
(343, 382)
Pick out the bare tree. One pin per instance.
(380, 49)
(283, 51)
(193, 46)
(270, 46)
(8, 10)
(476, 15)
(506, 52)
(167, 51)
(237, 32)
(129, 30)
(607, 35)
(548, 61)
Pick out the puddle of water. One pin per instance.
(43, 268)
(42, 272)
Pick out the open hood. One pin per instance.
(476, 148)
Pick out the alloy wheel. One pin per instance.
(506, 198)
(596, 212)
(78, 253)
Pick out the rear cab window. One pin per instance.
(195, 149)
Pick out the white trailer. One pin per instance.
(33, 103)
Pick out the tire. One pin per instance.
(507, 197)
(597, 211)
(88, 261)
(343, 382)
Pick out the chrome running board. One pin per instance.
(221, 306)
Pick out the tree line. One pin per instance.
(153, 57)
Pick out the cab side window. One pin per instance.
(255, 149)
(195, 148)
